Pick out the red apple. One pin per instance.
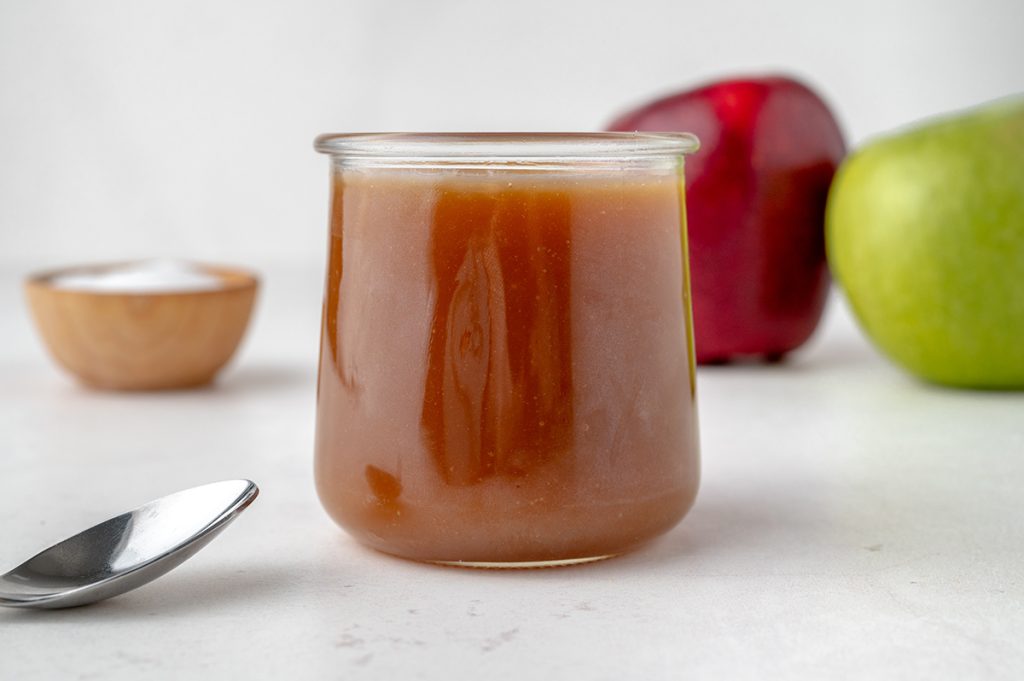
(755, 199)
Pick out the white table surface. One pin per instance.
(852, 523)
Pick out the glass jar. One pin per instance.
(507, 366)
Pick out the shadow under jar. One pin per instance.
(506, 367)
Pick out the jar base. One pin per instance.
(520, 565)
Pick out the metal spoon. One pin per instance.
(128, 551)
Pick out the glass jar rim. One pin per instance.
(507, 147)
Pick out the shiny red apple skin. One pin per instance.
(755, 197)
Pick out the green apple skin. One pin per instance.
(925, 233)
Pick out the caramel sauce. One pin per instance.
(506, 370)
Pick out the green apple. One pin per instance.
(925, 233)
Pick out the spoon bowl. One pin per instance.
(127, 551)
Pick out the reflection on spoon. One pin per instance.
(127, 551)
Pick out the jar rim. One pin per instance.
(503, 147)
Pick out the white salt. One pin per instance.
(150, 276)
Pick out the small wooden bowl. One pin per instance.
(145, 340)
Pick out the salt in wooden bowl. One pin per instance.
(146, 339)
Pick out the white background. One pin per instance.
(184, 128)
